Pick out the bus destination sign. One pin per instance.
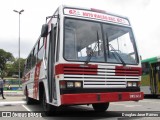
(95, 15)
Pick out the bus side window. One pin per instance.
(25, 68)
(158, 68)
(35, 54)
(28, 65)
(40, 49)
(33, 58)
(30, 62)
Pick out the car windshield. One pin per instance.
(101, 42)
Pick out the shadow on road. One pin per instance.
(151, 97)
(76, 113)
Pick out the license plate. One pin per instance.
(135, 95)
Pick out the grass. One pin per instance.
(5, 89)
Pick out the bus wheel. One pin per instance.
(100, 107)
(29, 100)
(48, 109)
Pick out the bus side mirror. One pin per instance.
(44, 30)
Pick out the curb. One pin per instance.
(13, 93)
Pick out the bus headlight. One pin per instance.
(129, 84)
(78, 84)
(134, 84)
(70, 84)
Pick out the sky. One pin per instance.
(143, 15)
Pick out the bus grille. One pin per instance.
(102, 76)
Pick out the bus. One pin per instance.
(83, 56)
(150, 83)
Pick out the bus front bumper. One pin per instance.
(89, 98)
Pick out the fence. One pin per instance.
(12, 84)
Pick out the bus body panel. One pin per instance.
(105, 78)
(150, 84)
(89, 98)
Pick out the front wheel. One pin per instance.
(100, 107)
(48, 109)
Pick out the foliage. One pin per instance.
(13, 69)
(4, 57)
(9, 66)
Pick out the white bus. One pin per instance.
(83, 56)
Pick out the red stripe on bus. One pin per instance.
(26, 78)
(81, 73)
(89, 98)
(76, 69)
(128, 71)
(36, 78)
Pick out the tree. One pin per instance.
(12, 69)
(16, 65)
(4, 57)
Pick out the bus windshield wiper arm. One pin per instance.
(89, 57)
(91, 53)
(120, 58)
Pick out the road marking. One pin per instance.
(133, 105)
(117, 104)
(126, 105)
(7, 103)
(149, 101)
(26, 108)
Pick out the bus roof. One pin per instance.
(151, 60)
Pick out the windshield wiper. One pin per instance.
(107, 45)
(120, 58)
(91, 53)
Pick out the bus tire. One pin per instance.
(29, 100)
(100, 107)
(48, 109)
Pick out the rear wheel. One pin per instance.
(100, 107)
(29, 100)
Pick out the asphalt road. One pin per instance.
(116, 110)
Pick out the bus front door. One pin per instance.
(51, 62)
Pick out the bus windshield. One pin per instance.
(101, 41)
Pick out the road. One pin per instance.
(117, 110)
